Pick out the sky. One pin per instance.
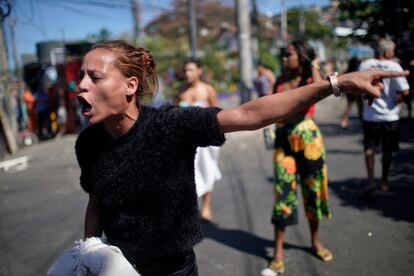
(43, 20)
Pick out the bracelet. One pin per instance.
(315, 65)
(333, 80)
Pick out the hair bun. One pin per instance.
(146, 59)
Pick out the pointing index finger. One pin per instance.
(392, 74)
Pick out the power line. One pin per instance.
(7, 5)
(66, 7)
(28, 21)
(122, 5)
(94, 3)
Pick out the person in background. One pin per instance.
(299, 153)
(265, 80)
(353, 65)
(76, 106)
(42, 113)
(62, 115)
(329, 67)
(30, 101)
(381, 119)
(195, 92)
(137, 162)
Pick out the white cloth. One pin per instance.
(206, 161)
(384, 109)
(206, 169)
(92, 257)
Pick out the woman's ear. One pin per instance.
(132, 85)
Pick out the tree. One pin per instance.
(314, 28)
(102, 36)
(379, 17)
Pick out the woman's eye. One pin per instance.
(95, 78)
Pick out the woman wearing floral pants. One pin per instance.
(299, 154)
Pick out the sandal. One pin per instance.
(275, 268)
(324, 254)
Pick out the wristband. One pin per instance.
(315, 65)
(333, 80)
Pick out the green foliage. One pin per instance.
(169, 55)
(361, 12)
(165, 53)
(101, 36)
(360, 9)
(379, 17)
(214, 59)
(268, 59)
(314, 28)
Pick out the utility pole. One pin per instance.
(193, 28)
(399, 18)
(254, 31)
(12, 24)
(283, 22)
(245, 50)
(7, 115)
(136, 16)
(301, 20)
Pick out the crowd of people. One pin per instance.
(144, 167)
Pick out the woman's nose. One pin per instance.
(82, 87)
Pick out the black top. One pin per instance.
(144, 180)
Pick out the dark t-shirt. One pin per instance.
(144, 180)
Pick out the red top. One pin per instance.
(308, 111)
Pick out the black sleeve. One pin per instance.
(199, 126)
(83, 156)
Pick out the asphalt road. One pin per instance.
(42, 208)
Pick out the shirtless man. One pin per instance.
(195, 92)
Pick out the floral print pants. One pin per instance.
(299, 154)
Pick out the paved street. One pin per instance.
(42, 208)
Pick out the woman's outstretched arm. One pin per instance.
(274, 108)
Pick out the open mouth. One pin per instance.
(86, 107)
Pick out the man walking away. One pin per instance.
(381, 119)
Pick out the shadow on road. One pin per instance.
(334, 129)
(407, 130)
(397, 203)
(246, 242)
(238, 239)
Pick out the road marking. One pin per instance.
(15, 165)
